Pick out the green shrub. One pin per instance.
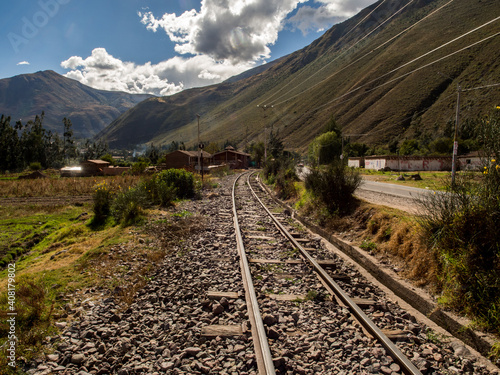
(368, 245)
(128, 206)
(159, 191)
(139, 166)
(102, 198)
(181, 180)
(461, 226)
(35, 166)
(280, 172)
(334, 186)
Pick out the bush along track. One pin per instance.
(452, 250)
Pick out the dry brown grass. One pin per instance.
(388, 233)
(397, 237)
(53, 187)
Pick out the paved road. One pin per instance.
(393, 189)
(380, 187)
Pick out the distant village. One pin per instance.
(229, 158)
(232, 159)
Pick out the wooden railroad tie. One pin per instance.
(325, 263)
(213, 294)
(222, 330)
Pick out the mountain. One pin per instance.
(90, 110)
(387, 74)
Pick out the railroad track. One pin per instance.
(192, 318)
(290, 279)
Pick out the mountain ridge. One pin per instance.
(391, 101)
(90, 110)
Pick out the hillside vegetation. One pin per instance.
(360, 72)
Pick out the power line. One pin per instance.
(402, 76)
(338, 56)
(482, 87)
(402, 66)
(404, 119)
(424, 109)
(360, 58)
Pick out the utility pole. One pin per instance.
(199, 149)
(264, 107)
(455, 139)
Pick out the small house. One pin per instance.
(356, 162)
(186, 159)
(471, 162)
(93, 167)
(408, 163)
(115, 171)
(233, 158)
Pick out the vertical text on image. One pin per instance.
(11, 320)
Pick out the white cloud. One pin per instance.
(222, 39)
(23, 63)
(103, 71)
(327, 14)
(234, 31)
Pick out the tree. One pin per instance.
(441, 145)
(22, 145)
(174, 146)
(109, 158)
(488, 134)
(326, 148)
(9, 146)
(409, 147)
(212, 148)
(69, 146)
(32, 142)
(94, 150)
(356, 149)
(332, 126)
(153, 153)
(54, 150)
(257, 152)
(276, 145)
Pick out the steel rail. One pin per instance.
(263, 353)
(405, 364)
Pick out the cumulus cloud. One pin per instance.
(23, 63)
(222, 39)
(327, 14)
(234, 31)
(103, 71)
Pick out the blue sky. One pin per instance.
(158, 46)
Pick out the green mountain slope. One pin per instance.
(360, 72)
(90, 110)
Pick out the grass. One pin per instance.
(64, 255)
(430, 180)
(28, 228)
(57, 186)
